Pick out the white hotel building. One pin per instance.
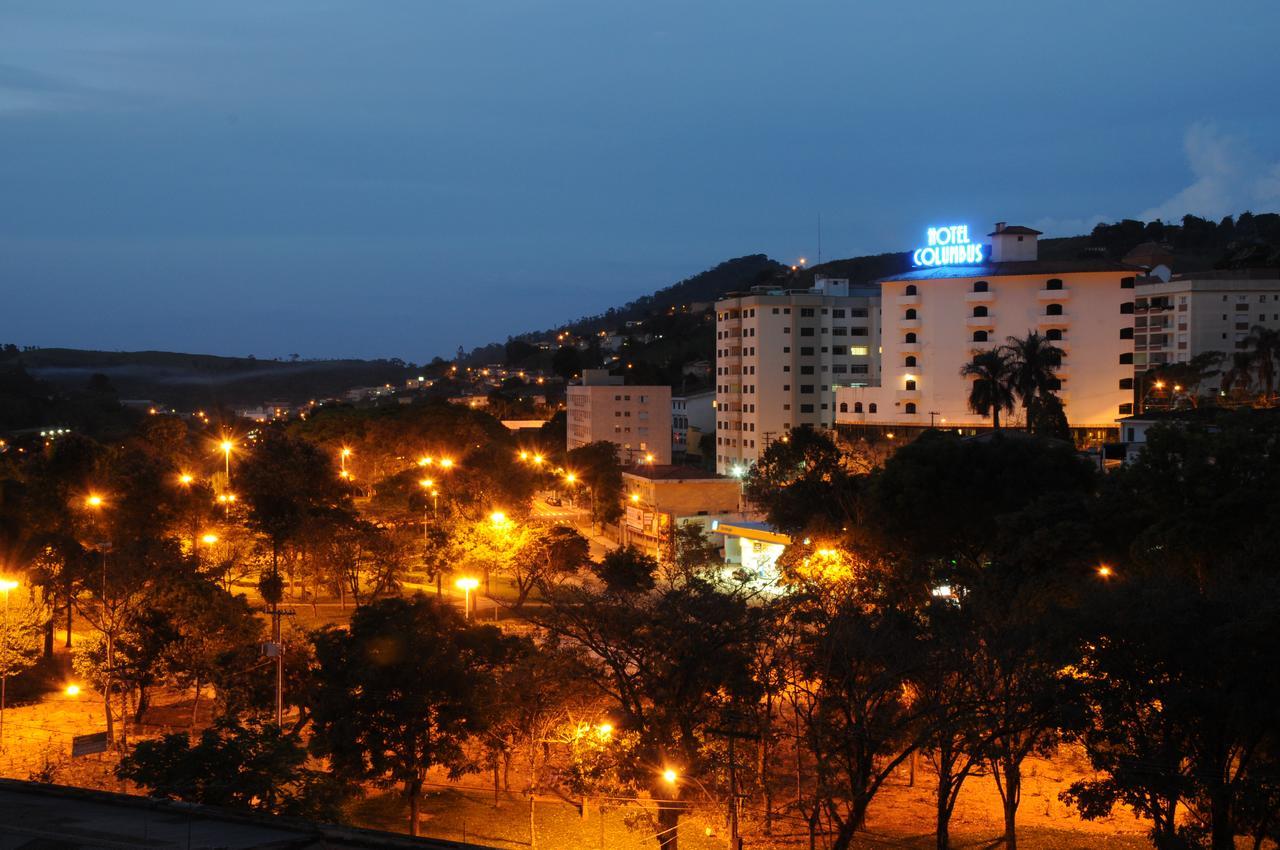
(781, 357)
(936, 318)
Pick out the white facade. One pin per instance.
(936, 319)
(1199, 312)
(637, 419)
(780, 357)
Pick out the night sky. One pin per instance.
(398, 178)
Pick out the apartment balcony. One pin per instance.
(909, 324)
(980, 322)
(908, 300)
(906, 395)
(979, 297)
(909, 347)
(1053, 294)
(1045, 320)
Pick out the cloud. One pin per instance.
(1229, 177)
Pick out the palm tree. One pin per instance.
(1265, 344)
(1032, 361)
(1237, 379)
(992, 389)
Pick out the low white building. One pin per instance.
(693, 413)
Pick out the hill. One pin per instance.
(189, 381)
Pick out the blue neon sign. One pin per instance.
(949, 246)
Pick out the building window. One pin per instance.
(1054, 334)
(1126, 383)
(1126, 307)
(910, 290)
(806, 389)
(806, 408)
(1053, 310)
(979, 286)
(871, 408)
(910, 361)
(806, 351)
(1126, 283)
(1126, 333)
(1126, 409)
(980, 311)
(806, 332)
(911, 385)
(979, 336)
(1053, 284)
(806, 312)
(910, 339)
(857, 407)
(844, 407)
(911, 314)
(910, 407)
(1126, 359)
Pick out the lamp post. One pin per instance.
(467, 585)
(6, 585)
(95, 503)
(226, 446)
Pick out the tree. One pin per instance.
(546, 557)
(19, 642)
(403, 691)
(567, 362)
(626, 569)
(992, 390)
(801, 481)
(1264, 343)
(672, 663)
(250, 765)
(596, 465)
(1031, 362)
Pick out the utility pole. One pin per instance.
(932, 413)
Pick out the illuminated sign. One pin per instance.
(949, 246)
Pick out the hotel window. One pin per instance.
(979, 336)
(979, 286)
(857, 407)
(1126, 383)
(910, 407)
(871, 408)
(911, 360)
(910, 290)
(1053, 310)
(1126, 283)
(844, 407)
(1126, 307)
(1053, 284)
(1126, 359)
(911, 314)
(910, 339)
(1054, 334)
(980, 311)
(911, 385)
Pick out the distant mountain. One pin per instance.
(189, 381)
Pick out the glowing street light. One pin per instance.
(185, 479)
(342, 459)
(466, 585)
(93, 501)
(670, 776)
(446, 462)
(6, 585)
(209, 539)
(226, 446)
(1105, 572)
(72, 690)
(538, 459)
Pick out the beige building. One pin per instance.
(637, 419)
(781, 355)
(936, 318)
(1188, 314)
(658, 499)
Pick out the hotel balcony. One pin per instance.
(909, 324)
(1053, 294)
(909, 300)
(1044, 320)
(909, 347)
(979, 297)
(980, 322)
(906, 395)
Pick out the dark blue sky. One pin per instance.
(398, 178)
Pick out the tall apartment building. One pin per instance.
(637, 419)
(1177, 318)
(938, 316)
(781, 355)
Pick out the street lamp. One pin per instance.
(72, 690)
(498, 518)
(227, 446)
(1105, 572)
(467, 585)
(670, 776)
(346, 453)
